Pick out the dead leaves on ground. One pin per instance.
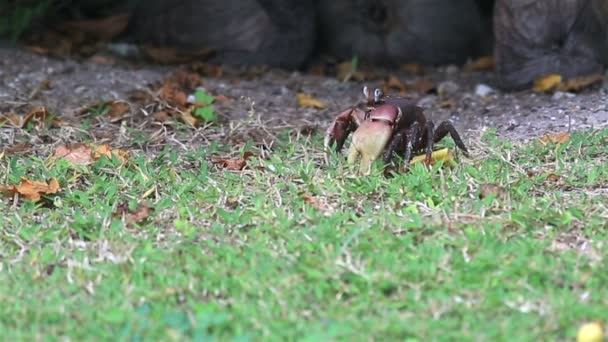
(444, 155)
(138, 215)
(309, 101)
(419, 86)
(181, 98)
(555, 82)
(233, 164)
(84, 36)
(481, 64)
(554, 138)
(38, 117)
(32, 190)
(80, 154)
(317, 203)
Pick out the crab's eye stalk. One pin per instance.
(378, 95)
(366, 92)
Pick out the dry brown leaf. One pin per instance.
(17, 148)
(447, 104)
(346, 71)
(579, 83)
(139, 215)
(393, 82)
(307, 100)
(102, 29)
(444, 155)
(547, 83)
(234, 164)
(162, 116)
(11, 119)
(481, 64)
(555, 138)
(78, 154)
(222, 99)
(187, 117)
(317, 203)
(553, 177)
(105, 150)
(175, 96)
(414, 68)
(423, 85)
(32, 190)
(170, 55)
(102, 59)
(118, 109)
(488, 190)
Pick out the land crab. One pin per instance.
(389, 125)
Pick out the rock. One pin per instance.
(540, 37)
(560, 94)
(244, 32)
(447, 89)
(403, 31)
(483, 90)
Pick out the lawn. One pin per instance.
(173, 243)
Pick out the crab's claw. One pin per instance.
(372, 136)
(369, 140)
(346, 122)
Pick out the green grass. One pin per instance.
(245, 255)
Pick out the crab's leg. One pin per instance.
(412, 135)
(446, 127)
(429, 128)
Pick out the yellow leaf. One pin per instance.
(547, 83)
(556, 138)
(590, 332)
(480, 64)
(307, 100)
(579, 83)
(444, 155)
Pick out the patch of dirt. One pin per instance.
(65, 86)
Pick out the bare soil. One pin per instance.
(74, 85)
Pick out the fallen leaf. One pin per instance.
(170, 55)
(139, 215)
(393, 82)
(488, 190)
(348, 70)
(447, 104)
(237, 164)
(32, 190)
(223, 99)
(12, 119)
(579, 83)
(187, 117)
(102, 59)
(481, 64)
(307, 100)
(105, 150)
(547, 83)
(162, 116)
(37, 116)
(317, 203)
(17, 148)
(414, 68)
(555, 138)
(552, 177)
(174, 95)
(423, 85)
(102, 29)
(78, 154)
(444, 155)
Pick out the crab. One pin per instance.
(387, 126)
